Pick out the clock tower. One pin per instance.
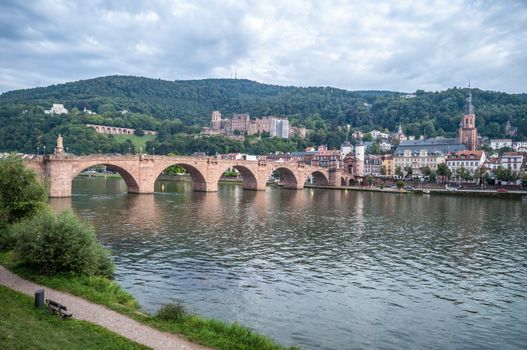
(468, 134)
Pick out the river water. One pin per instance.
(322, 269)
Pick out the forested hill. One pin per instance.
(193, 100)
(175, 107)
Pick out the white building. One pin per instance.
(520, 146)
(500, 143)
(87, 111)
(512, 160)
(345, 149)
(280, 128)
(58, 108)
(376, 134)
(357, 134)
(469, 160)
(385, 146)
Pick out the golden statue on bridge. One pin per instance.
(60, 147)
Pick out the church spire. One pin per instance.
(469, 107)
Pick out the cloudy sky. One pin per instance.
(390, 45)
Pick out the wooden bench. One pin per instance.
(54, 307)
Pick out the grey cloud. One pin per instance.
(355, 45)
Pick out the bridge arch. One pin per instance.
(289, 179)
(131, 182)
(250, 181)
(198, 178)
(319, 177)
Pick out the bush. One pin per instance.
(172, 312)
(400, 184)
(61, 244)
(7, 238)
(21, 194)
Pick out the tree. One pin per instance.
(481, 174)
(432, 176)
(444, 171)
(463, 174)
(409, 171)
(374, 148)
(399, 171)
(367, 137)
(383, 170)
(139, 132)
(21, 193)
(505, 174)
(425, 171)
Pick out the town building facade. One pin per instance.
(471, 161)
(417, 154)
(500, 143)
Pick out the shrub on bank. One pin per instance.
(172, 312)
(21, 196)
(54, 244)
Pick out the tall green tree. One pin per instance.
(22, 194)
(444, 171)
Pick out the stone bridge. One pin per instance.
(141, 171)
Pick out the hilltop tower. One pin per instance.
(215, 122)
(468, 133)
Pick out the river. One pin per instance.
(322, 269)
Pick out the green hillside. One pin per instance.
(180, 108)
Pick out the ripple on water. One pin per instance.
(324, 269)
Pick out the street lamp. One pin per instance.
(38, 150)
(44, 150)
(128, 151)
(140, 150)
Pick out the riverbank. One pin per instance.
(109, 175)
(125, 316)
(187, 178)
(432, 191)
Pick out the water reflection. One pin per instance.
(323, 269)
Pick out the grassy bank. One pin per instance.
(100, 290)
(116, 176)
(137, 141)
(24, 327)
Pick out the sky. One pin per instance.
(394, 45)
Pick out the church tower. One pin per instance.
(468, 134)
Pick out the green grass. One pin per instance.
(137, 141)
(24, 327)
(213, 333)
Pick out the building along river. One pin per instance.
(322, 269)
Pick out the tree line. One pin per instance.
(179, 108)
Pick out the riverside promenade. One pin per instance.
(512, 194)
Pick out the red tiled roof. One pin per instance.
(464, 155)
